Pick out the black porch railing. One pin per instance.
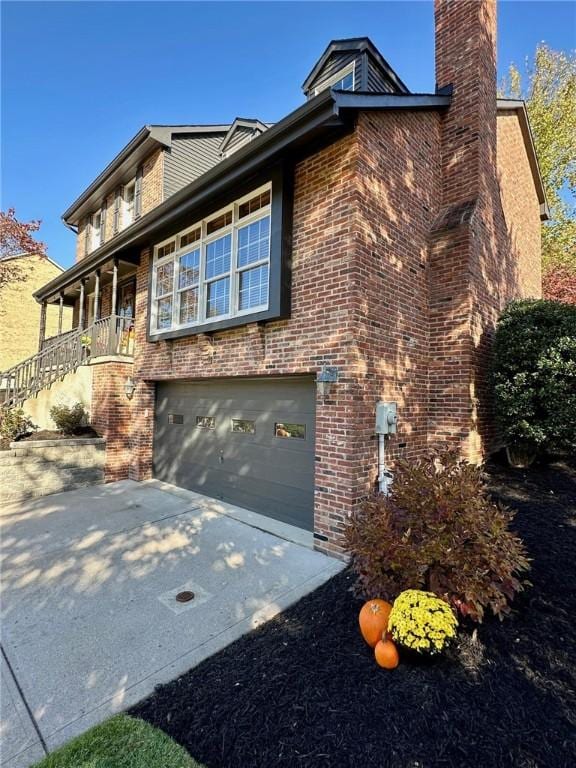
(113, 335)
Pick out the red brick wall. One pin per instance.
(151, 196)
(81, 239)
(111, 416)
(318, 332)
(153, 181)
(474, 267)
(363, 209)
(519, 202)
(398, 191)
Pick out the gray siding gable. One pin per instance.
(335, 63)
(241, 131)
(240, 137)
(376, 80)
(188, 157)
(372, 73)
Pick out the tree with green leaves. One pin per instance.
(548, 86)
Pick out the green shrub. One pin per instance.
(14, 423)
(438, 531)
(422, 622)
(534, 375)
(68, 419)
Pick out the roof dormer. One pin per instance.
(240, 132)
(354, 64)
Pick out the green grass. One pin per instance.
(121, 742)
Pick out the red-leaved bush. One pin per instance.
(559, 284)
(438, 530)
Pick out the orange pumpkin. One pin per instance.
(386, 654)
(374, 620)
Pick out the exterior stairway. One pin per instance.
(111, 335)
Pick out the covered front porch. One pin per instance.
(102, 294)
(103, 300)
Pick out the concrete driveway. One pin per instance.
(90, 623)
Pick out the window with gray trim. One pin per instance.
(219, 268)
(343, 80)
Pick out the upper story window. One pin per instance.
(95, 230)
(343, 80)
(219, 268)
(128, 203)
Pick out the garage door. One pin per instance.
(248, 442)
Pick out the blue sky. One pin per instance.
(79, 79)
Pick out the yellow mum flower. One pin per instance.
(422, 621)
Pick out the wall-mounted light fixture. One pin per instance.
(129, 387)
(325, 379)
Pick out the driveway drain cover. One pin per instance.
(185, 597)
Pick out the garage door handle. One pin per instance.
(221, 457)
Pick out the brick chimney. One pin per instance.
(465, 244)
(466, 61)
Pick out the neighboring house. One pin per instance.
(20, 314)
(372, 235)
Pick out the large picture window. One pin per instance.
(217, 269)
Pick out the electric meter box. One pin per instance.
(386, 418)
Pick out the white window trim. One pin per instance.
(349, 68)
(95, 233)
(124, 221)
(201, 245)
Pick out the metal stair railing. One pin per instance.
(111, 335)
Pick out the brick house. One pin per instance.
(20, 313)
(373, 236)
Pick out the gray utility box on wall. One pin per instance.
(386, 418)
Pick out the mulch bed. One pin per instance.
(304, 691)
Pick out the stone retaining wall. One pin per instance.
(40, 467)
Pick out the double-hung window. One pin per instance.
(129, 198)
(164, 292)
(96, 228)
(215, 270)
(188, 279)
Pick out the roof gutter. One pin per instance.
(317, 112)
(326, 110)
(367, 100)
(140, 137)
